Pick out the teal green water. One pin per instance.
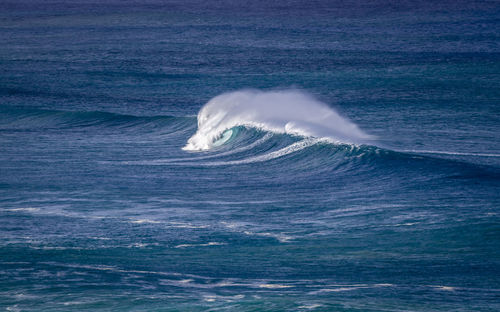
(384, 198)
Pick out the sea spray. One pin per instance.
(287, 111)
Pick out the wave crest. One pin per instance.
(289, 111)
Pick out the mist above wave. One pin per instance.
(287, 111)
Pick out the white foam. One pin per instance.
(210, 298)
(288, 111)
(282, 238)
(100, 238)
(274, 286)
(309, 306)
(213, 298)
(445, 288)
(384, 285)
(180, 225)
(340, 289)
(29, 209)
(200, 245)
(140, 221)
(141, 245)
(73, 303)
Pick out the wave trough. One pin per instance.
(288, 111)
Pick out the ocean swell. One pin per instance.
(288, 111)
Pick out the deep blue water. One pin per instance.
(101, 208)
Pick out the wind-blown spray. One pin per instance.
(288, 111)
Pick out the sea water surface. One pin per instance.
(233, 156)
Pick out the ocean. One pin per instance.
(249, 156)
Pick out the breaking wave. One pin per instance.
(290, 112)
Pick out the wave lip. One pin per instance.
(288, 111)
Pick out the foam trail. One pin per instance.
(450, 153)
(197, 159)
(297, 146)
(289, 111)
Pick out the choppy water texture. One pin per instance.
(293, 156)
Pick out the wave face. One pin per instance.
(289, 111)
